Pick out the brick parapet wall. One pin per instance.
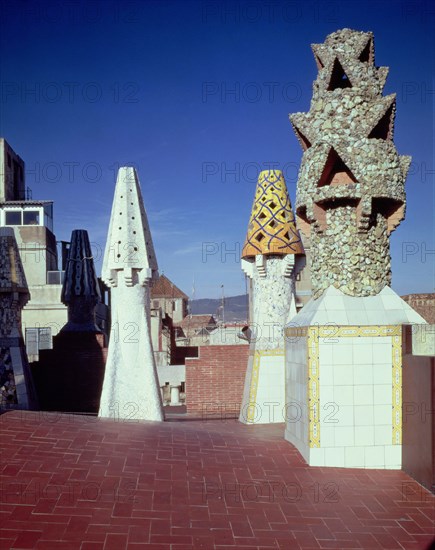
(215, 379)
(418, 395)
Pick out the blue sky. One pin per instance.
(196, 95)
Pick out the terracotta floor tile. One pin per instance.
(27, 539)
(92, 546)
(75, 483)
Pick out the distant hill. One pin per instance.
(236, 307)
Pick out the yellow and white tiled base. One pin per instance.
(264, 396)
(344, 394)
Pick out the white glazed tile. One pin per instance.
(325, 353)
(329, 414)
(382, 394)
(363, 341)
(364, 415)
(395, 316)
(363, 374)
(363, 355)
(338, 316)
(390, 302)
(358, 317)
(382, 353)
(326, 375)
(334, 302)
(322, 317)
(373, 303)
(345, 416)
(352, 303)
(317, 457)
(393, 456)
(363, 394)
(374, 457)
(327, 436)
(332, 291)
(343, 395)
(326, 394)
(334, 457)
(383, 435)
(344, 436)
(343, 375)
(383, 415)
(382, 374)
(364, 435)
(353, 457)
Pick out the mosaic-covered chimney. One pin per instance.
(271, 259)
(80, 291)
(350, 190)
(268, 258)
(14, 292)
(16, 384)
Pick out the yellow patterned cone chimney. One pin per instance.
(272, 227)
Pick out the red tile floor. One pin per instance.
(82, 483)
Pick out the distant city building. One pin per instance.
(32, 221)
(228, 334)
(194, 330)
(424, 304)
(168, 297)
(12, 182)
(168, 305)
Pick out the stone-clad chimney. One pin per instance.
(350, 190)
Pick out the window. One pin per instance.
(31, 217)
(55, 277)
(37, 339)
(13, 217)
(48, 216)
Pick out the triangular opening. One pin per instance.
(272, 224)
(339, 78)
(272, 205)
(262, 216)
(305, 143)
(335, 171)
(384, 127)
(366, 56)
(319, 63)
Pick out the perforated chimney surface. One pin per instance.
(129, 243)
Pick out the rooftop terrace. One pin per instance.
(74, 482)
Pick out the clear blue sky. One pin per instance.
(197, 96)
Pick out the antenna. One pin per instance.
(223, 304)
